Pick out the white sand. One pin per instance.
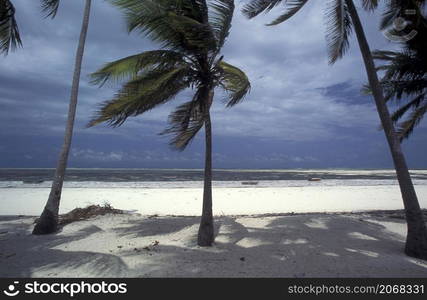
(226, 201)
(316, 245)
(308, 245)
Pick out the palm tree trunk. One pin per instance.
(205, 236)
(48, 221)
(416, 240)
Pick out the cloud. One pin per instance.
(89, 154)
(296, 97)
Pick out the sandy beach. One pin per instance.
(227, 201)
(307, 245)
(153, 139)
(322, 231)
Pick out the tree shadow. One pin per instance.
(150, 226)
(314, 245)
(288, 246)
(22, 254)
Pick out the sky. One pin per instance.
(301, 112)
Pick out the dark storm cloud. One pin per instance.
(300, 113)
(23, 88)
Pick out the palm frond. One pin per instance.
(141, 94)
(200, 10)
(399, 8)
(403, 88)
(392, 11)
(221, 17)
(235, 83)
(292, 7)
(50, 7)
(370, 5)
(9, 32)
(401, 111)
(406, 128)
(191, 39)
(129, 67)
(186, 120)
(255, 7)
(405, 76)
(404, 73)
(404, 65)
(167, 22)
(191, 32)
(338, 29)
(385, 55)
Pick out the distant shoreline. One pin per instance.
(274, 177)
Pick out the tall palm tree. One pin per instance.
(343, 17)
(9, 31)
(48, 221)
(191, 34)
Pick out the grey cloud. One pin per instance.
(296, 97)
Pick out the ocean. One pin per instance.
(188, 178)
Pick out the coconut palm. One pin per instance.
(191, 34)
(9, 31)
(342, 18)
(48, 221)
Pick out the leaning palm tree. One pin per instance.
(9, 31)
(191, 34)
(48, 221)
(343, 17)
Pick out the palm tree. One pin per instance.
(48, 221)
(343, 17)
(191, 34)
(9, 31)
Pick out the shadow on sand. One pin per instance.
(21, 253)
(315, 245)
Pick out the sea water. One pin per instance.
(193, 178)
